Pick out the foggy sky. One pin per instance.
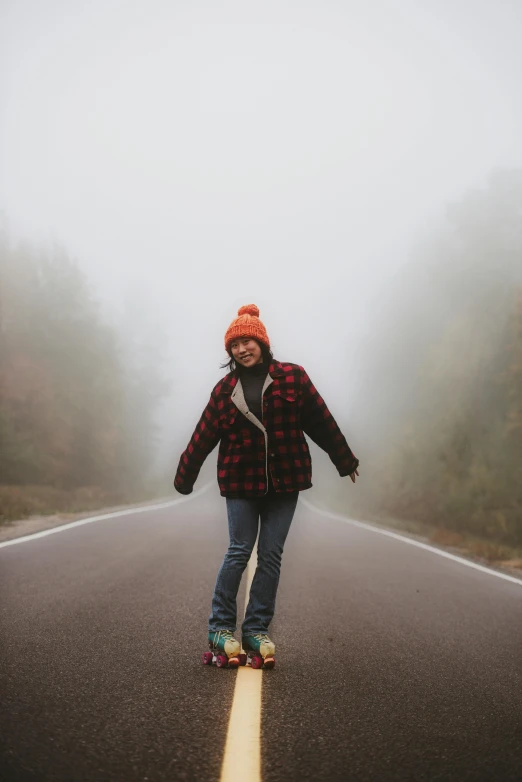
(195, 157)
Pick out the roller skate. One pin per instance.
(224, 650)
(259, 650)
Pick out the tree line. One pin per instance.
(444, 384)
(74, 410)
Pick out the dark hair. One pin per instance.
(267, 354)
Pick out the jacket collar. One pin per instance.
(276, 369)
(229, 382)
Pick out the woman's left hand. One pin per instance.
(354, 473)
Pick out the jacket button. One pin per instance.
(272, 454)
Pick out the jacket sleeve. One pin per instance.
(204, 439)
(319, 424)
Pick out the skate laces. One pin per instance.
(261, 637)
(226, 635)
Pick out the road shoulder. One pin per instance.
(9, 530)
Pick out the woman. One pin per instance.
(259, 413)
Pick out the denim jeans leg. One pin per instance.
(243, 522)
(276, 517)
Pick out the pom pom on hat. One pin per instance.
(247, 324)
(249, 309)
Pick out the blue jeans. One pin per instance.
(276, 514)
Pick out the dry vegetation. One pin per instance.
(445, 382)
(76, 407)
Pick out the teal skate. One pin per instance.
(259, 649)
(224, 650)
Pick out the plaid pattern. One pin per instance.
(291, 405)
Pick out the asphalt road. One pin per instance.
(392, 663)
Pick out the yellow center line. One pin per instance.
(242, 759)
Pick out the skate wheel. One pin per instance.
(221, 661)
(256, 661)
(242, 659)
(233, 662)
(269, 662)
(207, 658)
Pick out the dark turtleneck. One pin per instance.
(252, 380)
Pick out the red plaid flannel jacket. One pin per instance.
(291, 406)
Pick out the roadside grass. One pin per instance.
(460, 542)
(22, 502)
(484, 549)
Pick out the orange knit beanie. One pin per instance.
(247, 324)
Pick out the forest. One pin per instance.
(444, 382)
(77, 401)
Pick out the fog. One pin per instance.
(335, 163)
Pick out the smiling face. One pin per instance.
(246, 352)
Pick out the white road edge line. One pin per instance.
(411, 542)
(242, 757)
(127, 512)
